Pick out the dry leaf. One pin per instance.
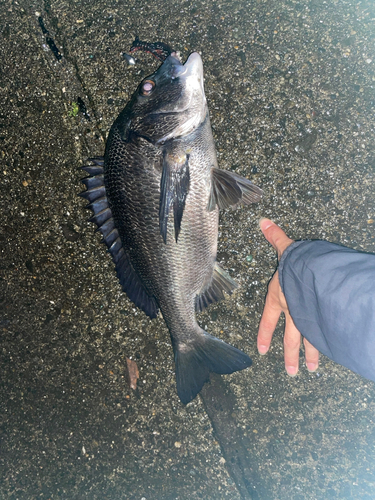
(132, 372)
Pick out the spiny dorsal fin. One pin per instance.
(220, 282)
(230, 189)
(129, 279)
(174, 188)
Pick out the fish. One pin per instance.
(156, 196)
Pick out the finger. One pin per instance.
(311, 356)
(292, 344)
(275, 235)
(268, 322)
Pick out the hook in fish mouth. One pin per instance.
(193, 66)
(177, 55)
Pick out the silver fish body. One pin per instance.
(156, 200)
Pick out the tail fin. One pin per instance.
(206, 354)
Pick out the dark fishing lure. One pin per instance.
(159, 50)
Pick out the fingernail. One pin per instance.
(262, 349)
(268, 224)
(312, 367)
(291, 370)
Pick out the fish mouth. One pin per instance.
(191, 76)
(193, 67)
(194, 70)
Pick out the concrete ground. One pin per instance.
(290, 87)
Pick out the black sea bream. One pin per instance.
(156, 198)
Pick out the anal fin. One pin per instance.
(230, 189)
(220, 282)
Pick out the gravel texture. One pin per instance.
(290, 87)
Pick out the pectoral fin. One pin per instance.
(174, 188)
(229, 189)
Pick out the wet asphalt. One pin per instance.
(290, 87)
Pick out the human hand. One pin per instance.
(276, 304)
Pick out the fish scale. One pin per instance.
(156, 200)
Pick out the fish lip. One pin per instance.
(194, 65)
(192, 74)
(177, 68)
(194, 70)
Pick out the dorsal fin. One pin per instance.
(220, 282)
(129, 279)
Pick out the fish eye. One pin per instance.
(147, 87)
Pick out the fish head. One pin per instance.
(171, 103)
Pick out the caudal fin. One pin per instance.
(206, 354)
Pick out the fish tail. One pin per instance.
(194, 361)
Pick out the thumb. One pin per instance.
(275, 235)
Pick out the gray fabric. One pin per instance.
(330, 291)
